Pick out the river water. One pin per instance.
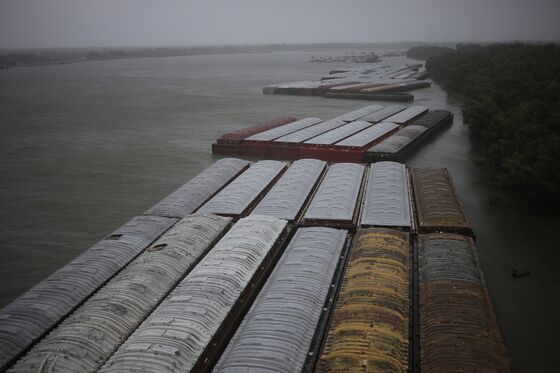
(86, 146)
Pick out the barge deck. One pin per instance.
(207, 307)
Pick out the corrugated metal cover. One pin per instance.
(369, 328)
(179, 330)
(286, 198)
(196, 191)
(382, 114)
(86, 339)
(284, 130)
(407, 114)
(433, 118)
(399, 140)
(458, 327)
(235, 198)
(299, 84)
(39, 309)
(412, 131)
(309, 132)
(436, 202)
(339, 133)
(458, 333)
(354, 87)
(277, 331)
(447, 259)
(368, 135)
(390, 145)
(337, 195)
(387, 199)
(259, 127)
(384, 88)
(357, 114)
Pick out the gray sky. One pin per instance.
(79, 23)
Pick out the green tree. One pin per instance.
(511, 102)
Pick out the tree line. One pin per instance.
(511, 102)
(424, 52)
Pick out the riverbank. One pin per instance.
(510, 102)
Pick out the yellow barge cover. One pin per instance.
(369, 328)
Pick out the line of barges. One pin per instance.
(383, 82)
(361, 256)
(366, 134)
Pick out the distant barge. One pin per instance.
(349, 58)
(312, 260)
(367, 134)
(382, 82)
(398, 97)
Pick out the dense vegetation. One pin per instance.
(424, 52)
(511, 97)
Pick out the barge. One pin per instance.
(399, 97)
(366, 134)
(402, 143)
(375, 80)
(282, 267)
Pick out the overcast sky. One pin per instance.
(82, 23)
